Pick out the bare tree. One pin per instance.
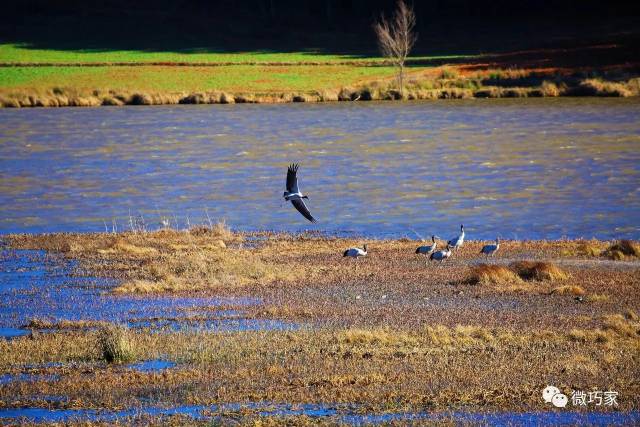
(396, 38)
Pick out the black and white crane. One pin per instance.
(355, 252)
(428, 249)
(490, 250)
(294, 195)
(457, 241)
(441, 255)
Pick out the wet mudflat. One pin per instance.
(42, 292)
(391, 337)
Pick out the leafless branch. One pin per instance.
(397, 37)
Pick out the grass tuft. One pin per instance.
(568, 290)
(585, 248)
(623, 248)
(493, 274)
(377, 337)
(597, 298)
(622, 325)
(115, 344)
(531, 270)
(549, 89)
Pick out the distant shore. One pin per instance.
(49, 78)
(60, 97)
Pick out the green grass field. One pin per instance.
(82, 76)
(16, 53)
(235, 78)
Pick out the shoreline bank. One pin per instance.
(94, 98)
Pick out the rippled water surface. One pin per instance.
(535, 168)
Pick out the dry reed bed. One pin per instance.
(434, 367)
(437, 83)
(390, 331)
(392, 286)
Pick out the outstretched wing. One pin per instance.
(302, 208)
(292, 178)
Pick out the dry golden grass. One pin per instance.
(64, 324)
(625, 326)
(568, 290)
(550, 89)
(597, 87)
(388, 332)
(597, 298)
(450, 82)
(115, 344)
(583, 248)
(167, 260)
(383, 369)
(377, 337)
(621, 249)
(484, 274)
(533, 270)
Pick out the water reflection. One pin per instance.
(517, 168)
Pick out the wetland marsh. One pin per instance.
(173, 317)
(389, 339)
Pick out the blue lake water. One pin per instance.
(535, 168)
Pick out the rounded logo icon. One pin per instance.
(559, 400)
(549, 392)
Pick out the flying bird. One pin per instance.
(456, 242)
(427, 249)
(441, 255)
(294, 195)
(491, 249)
(355, 252)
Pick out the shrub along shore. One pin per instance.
(84, 84)
(375, 91)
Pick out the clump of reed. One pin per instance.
(622, 249)
(550, 89)
(376, 337)
(586, 248)
(597, 298)
(493, 274)
(574, 290)
(37, 323)
(537, 270)
(597, 87)
(625, 325)
(516, 273)
(115, 344)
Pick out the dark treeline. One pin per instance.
(327, 24)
